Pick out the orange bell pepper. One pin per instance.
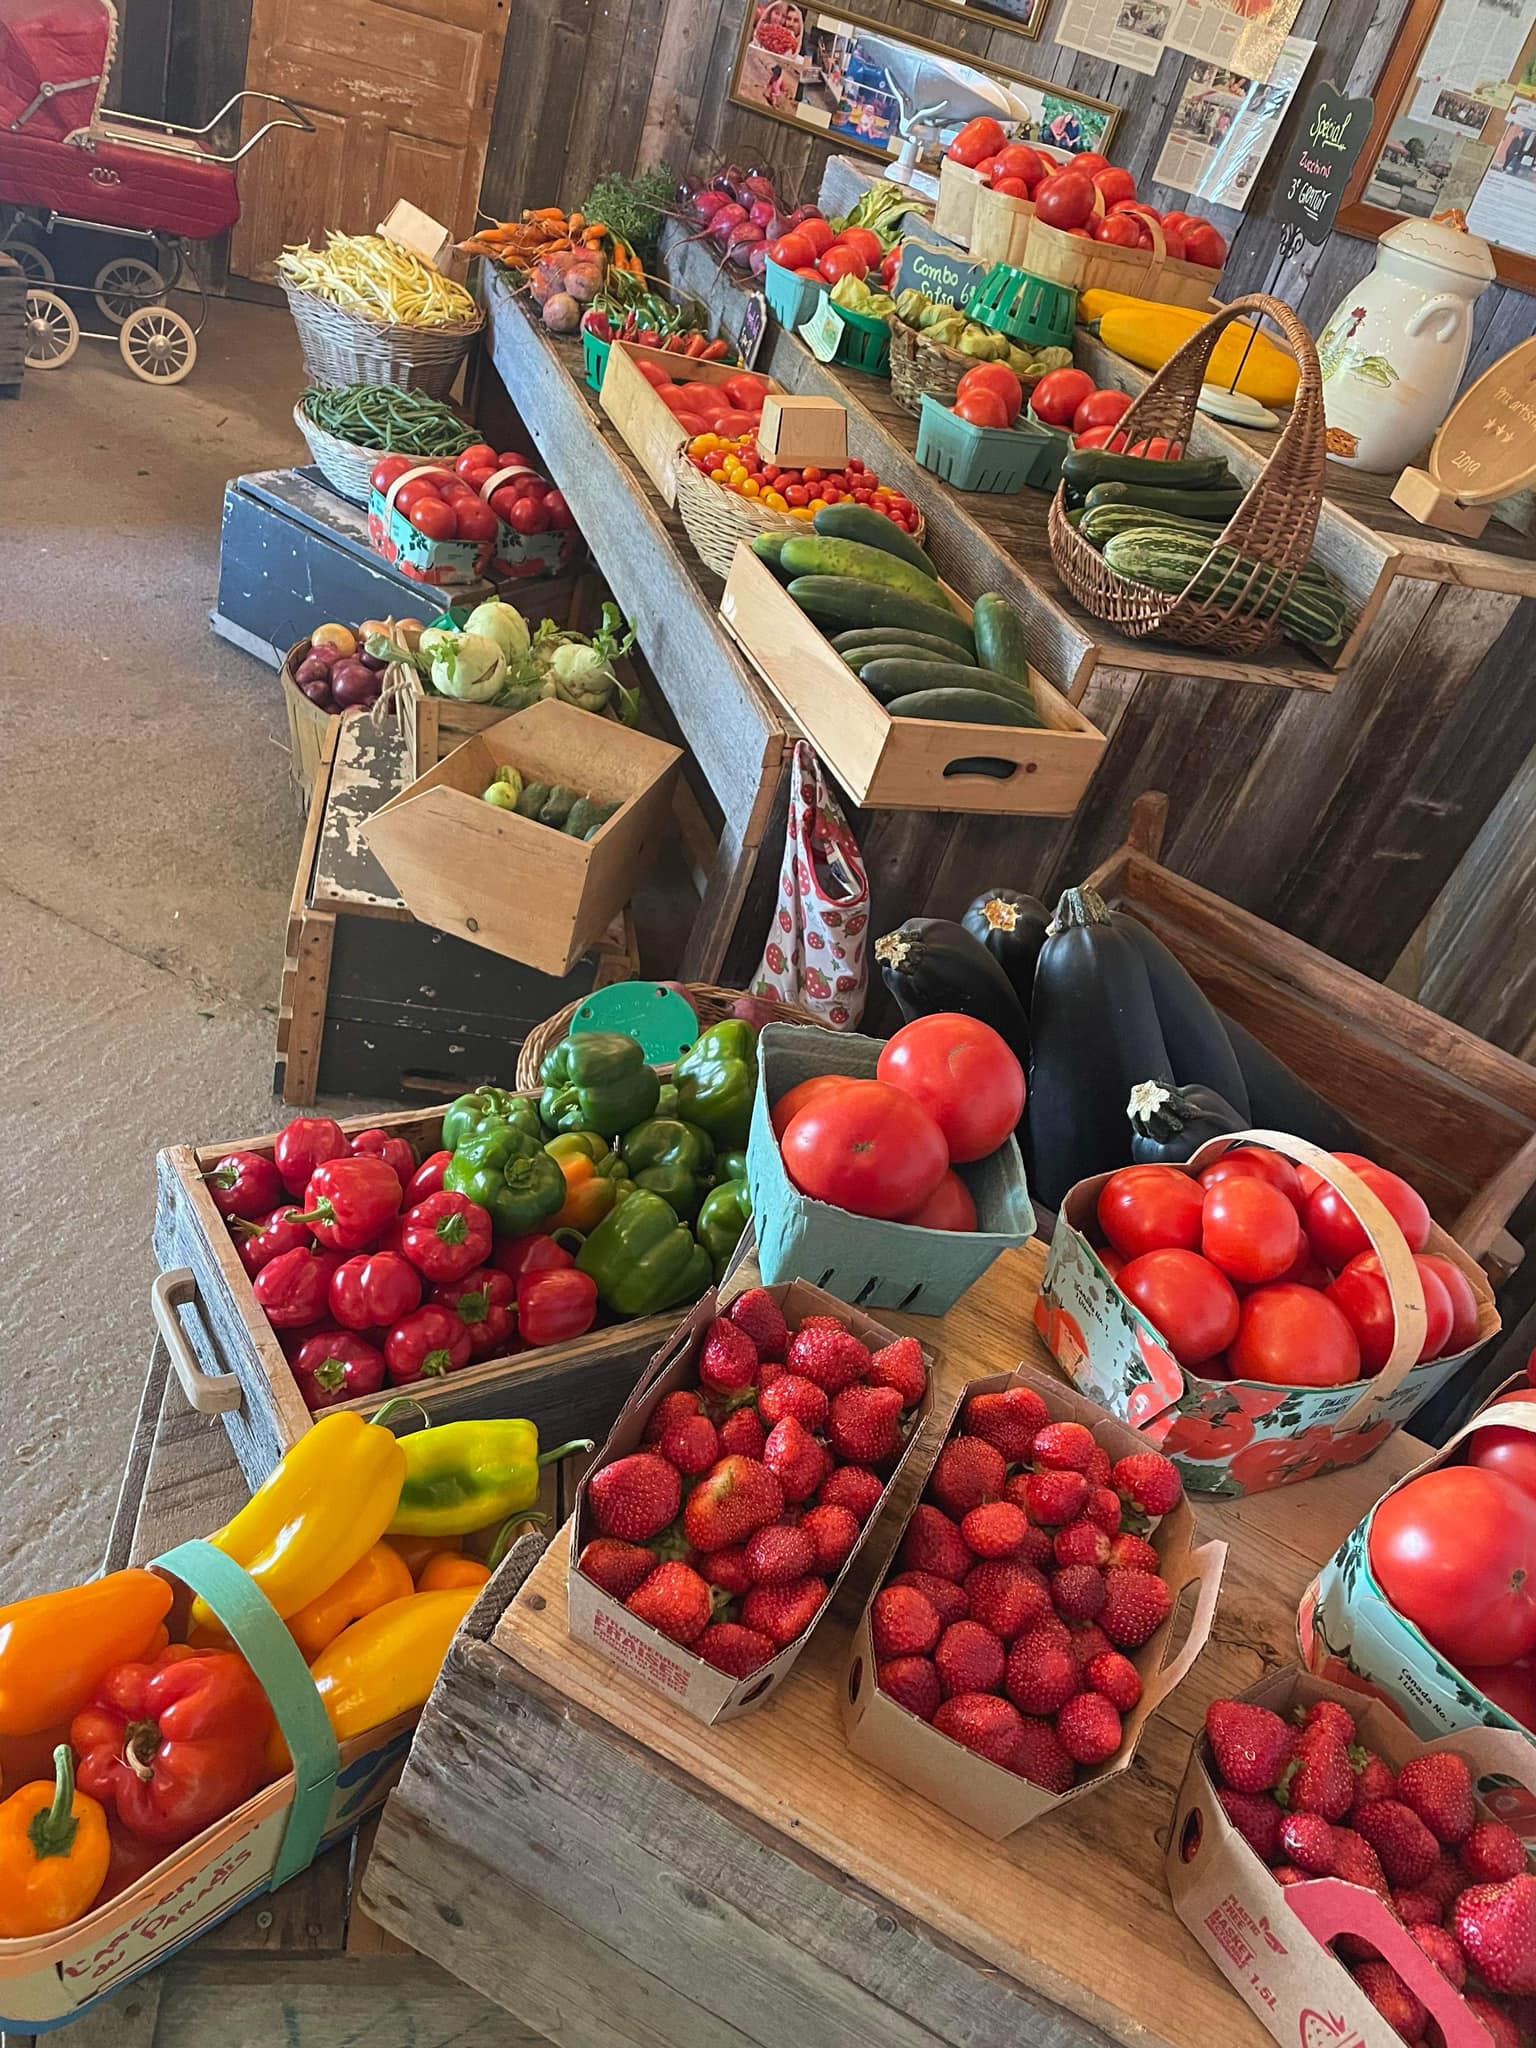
(54, 1853)
(54, 1649)
(415, 1551)
(380, 1574)
(588, 1196)
(439, 1573)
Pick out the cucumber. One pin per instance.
(961, 707)
(1212, 504)
(1103, 522)
(861, 658)
(889, 680)
(809, 554)
(839, 602)
(999, 635)
(767, 548)
(1085, 467)
(874, 530)
(894, 636)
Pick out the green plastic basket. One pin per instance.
(999, 459)
(791, 299)
(866, 344)
(1033, 311)
(594, 353)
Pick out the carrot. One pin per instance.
(544, 213)
(575, 224)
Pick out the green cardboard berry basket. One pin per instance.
(791, 298)
(1033, 311)
(997, 459)
(594, 354)
(866, 343)
(863, 1261)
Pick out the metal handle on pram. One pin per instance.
(300, 121)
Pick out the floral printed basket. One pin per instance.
(817, 951)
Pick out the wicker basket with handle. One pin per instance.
(712, 1005)
(1273, 527)
(346, 348)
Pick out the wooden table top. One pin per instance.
(1074, 1907)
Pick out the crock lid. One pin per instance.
(1444, 243)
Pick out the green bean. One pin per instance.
(378, 416)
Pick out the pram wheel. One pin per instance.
(35, 266)
(158, 345)
(125, 284)
(53, 332)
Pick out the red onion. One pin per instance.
(751, 1011)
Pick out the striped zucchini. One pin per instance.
(1313, 610)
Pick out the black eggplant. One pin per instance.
(1198, 1046)
(1281, 1101)
(1169, 1125)
(1012, 928)
(1096, 1034)
(931, 964)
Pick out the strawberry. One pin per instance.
(736, 1497)
(779, 1553)
(793, 1394)
(635, 1497)
(1492, 1853)
(1103, 1509)
(967, 1473)
(1446, 1882)
(1415, 1909)
(617, 1567)
(1334, 1716)
(1496, 1926)
(1009, 1421)
(1040, 1757)
(1250, 1746)
(727, 1357)
(759, 1315)
(1398, 2006)
(1079, 1592)
(1120, 1682)
(795, 1458)
(1082, 1542)
(1041, 1675)
(1287, 1873)
(1307, 1840)
(832, 1533)
(822, 1323)
(735, 1650)
(728, 1569)
(1087, 1641)
(1063, 1447)
(828, 1354)
(1443, 1951)
(674, 1407)
(1439, 1789)
(983, 1723)
(1502, 2029)
(853, 1488)
(901, 1365)
(933, 1544)
(946, 1599)
(1136, 1604)
(784, 1612)
(1318, 1779)
(1407, 1849)
(1055, 1498)
(913, 1683)
(994, 1530)
(902, 1623)
(969, 1659)
(1037, 1549)
(1006, 1597)
(864, 1425)
(1149, 1481)
(675, 1601)
(1356, 1862)
(769, 1373)
(742, 1434)
(1373, 1780)
(1098, 1467)
(691, 1443)
(1256, 1818)
(1129, 1553)
(1088, 1728)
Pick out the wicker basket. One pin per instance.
(345, 465)
(716, 519)
(1274, 526)
(922, 368)
(345, 348)
(711, 1005)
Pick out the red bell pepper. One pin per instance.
(427, 1179)
(395, 1152)
(294, 1287)
(244, 1184)
(348, 1203)
(483, 1302)
(446, 1236)
(374, 1290)
(305, 1144)
(555, 1305)
(535, 1252)
(171, 1747)
(260, 1242)
(426, 1344)
(336, 1365)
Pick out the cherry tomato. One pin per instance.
(433, 518)
(1465, 1317)
(1336, 1232)
(1266, 1165)
(1293, 1336)
(964, 1074)
(1249, 1230)
(481, 456)
(473, 519)
(949, 1207)
(1191, 1305)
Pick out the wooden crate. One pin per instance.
(905, 764)
(650, 429)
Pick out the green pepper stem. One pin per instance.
(577, 1443)
(503, 1543)
(400, 1401)
(565, 1231)
(53, 1831)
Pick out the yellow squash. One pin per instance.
(1148, 333)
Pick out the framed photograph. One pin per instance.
(1024, 17)
(865, 86)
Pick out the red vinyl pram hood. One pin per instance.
(58, 43)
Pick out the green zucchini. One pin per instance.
(845, 521)
(889, 680)
(839, 602)
(809, 554)
(961, 707)
(1085, 467)
(895, 636)
(1102, 522)
(861, 658)
(1310, 610)
(1212, 504)
(1000, 637)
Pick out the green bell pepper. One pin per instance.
(510, 1174)
(597, 1082)
(471, 1114)
(672, 1159)
(643, 1259)
(730, 1166)
(725, 1215)
(666, 1101)
(717, 1080)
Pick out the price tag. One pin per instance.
(823, 331)
(944, 276)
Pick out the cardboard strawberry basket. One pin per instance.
(604, 1623)
(984, 1795)
(1232, 1437)
(1270, 1940)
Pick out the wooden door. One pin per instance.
(401, 94)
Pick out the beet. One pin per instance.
(757, 258)
(707, 204)
(726, 218)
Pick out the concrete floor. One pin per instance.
(147, 845)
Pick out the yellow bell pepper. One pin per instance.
(384, 1665)
(310, 1520)
(379, 1575)
(54, 1852)
(54, 1649)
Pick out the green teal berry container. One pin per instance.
(998, 459)
(594, 354)
(866, 344)
(791, 299)
(1033, 311)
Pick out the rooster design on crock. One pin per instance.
(1336, 357)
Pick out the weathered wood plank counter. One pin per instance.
(620, 1876)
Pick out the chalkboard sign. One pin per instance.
(939, 272)
(1318, 162)
(749, 336)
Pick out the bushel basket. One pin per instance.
(347, 348)
(1234, 599)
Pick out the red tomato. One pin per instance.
(477, 479)
(415, 492)
(1018, 160)
(1011, 188)
(1101, 409)
(1465, 1318)
(1173, 241)
(836, 263)
(1336, 1232)
(433, 518)
(1000, 381)
(729, 423)
(385, 471)
(1293, 1336)
(1192, 1307)
(514, 459)
(1266, 1165)
(792, 251)
(473, 519)
(793, 1100)
(1123, 231)
(984, 169)
(1510, 1686)
(655, 373)
(1202, 244)
(949, 1207)
(1361, 1292)
(1065, 199)
(1114, 184)
(1057, 396)
(1110, 1260)
(1506, 1450)
(965, 1076)
(868, 1148)
(481, 456)
(1158, 449)
(979, 138)
(1455, 1551)
(529, 515)
(982, 409)
(558, 512)
(1151, 1209)
(1249, 1230)
(818, 232)
(745, 391)
(1090, 162)
(503, 498)
(1100, 437)
(864, 242)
